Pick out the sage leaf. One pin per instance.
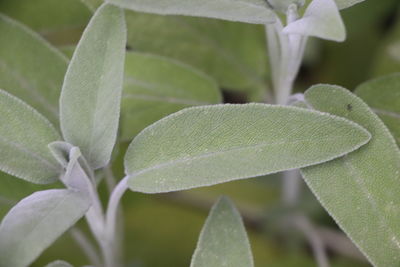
(342, 4)
(203, 146)
(91, 93)
(383, 96)
(250, 11)
(59, 263)
(361, 190)
(223, 240)
(321, 19)
(30, 68)
(24, 135)
(163, 86)
(36, 222)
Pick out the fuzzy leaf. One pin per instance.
(360, 190)
(91, 94)
(36, 222)
(163, 86)
(250, 11)
(342, 4)
(223, 240)
(59, 263)
(24, 135)
(30, 68)
(321, 19)
(383, 96)
(208, 145)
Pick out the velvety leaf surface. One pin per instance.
(91, 94)
(30, 68)
(59, 263)
(36, 222)
(213, 144)
(321, 19)
(383, 96)
(24, 136)
(360, 190)
(232, 53)
(250, 11)
(223, 240)
(155, 87)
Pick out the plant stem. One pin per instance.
(86, 246)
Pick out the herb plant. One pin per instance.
(344, 143)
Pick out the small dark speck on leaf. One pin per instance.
(349, 107)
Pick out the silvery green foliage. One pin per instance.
(223, 240)
(283, 5)
(383, 96)
(30, 68)
(162, 86)
(36, 222)
(321, 19)
(342, 4)
(360, 190)
(208, 145)
(91, 93)
(59, 263)
(24, 135)
(250, 11)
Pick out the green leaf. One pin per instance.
(36, 222)
(283, 5)
(30, 68)
(232, 53)
(321, 19)
(342, 4)
(156, 87)
(250, 11)
(91, 94)
(59, 263)
(24, 135)
(208, 145)
(223, 240)
(360, 190)
(383, 96)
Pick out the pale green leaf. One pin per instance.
(250, 11)
(232, 53)
(36, 222)
(383, 96)
(30, 68)
(321, 19)
(360, 190)
(208, 145)
(24, 136)
(283, 5)
(91, 94)
(59, 263)
(155, 87)
(223, 240)
(342, 4)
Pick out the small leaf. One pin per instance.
(30, 68)
(223, 240)
(321, 19)
(91, 94)
(208, 145)
(59, 263)
(36, 222)
(383, 96)
(250, 11)
(24, 135)
(163, 86)
(360, 190)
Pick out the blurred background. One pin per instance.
(162, 230)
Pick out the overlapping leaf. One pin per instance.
(360, 190)
(208, 145)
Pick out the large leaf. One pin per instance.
(91, 94)
(360, 190)
(321, 19)
(59, 263)
(30, 68)
(156, 87)
(203, 146)
(230, 52)
(24, 136)
(223, 240)
(250, 11)
(383, 96)
(36, 222)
